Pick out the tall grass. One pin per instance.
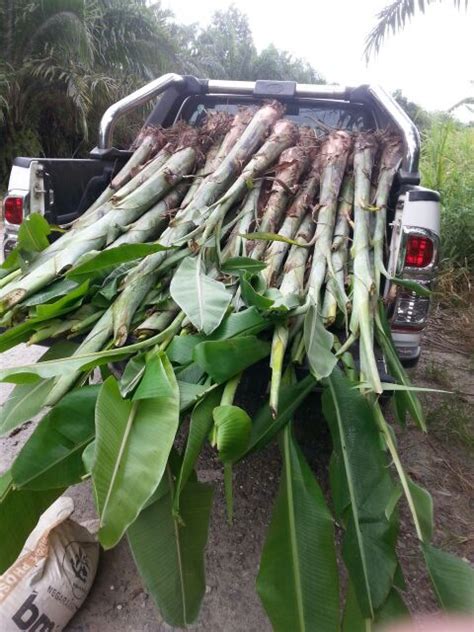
(447, 165)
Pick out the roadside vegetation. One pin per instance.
(62, 62)
(447, 165)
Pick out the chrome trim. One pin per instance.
(132, 101)
(408, 130)
(429, 271)
(315, 91)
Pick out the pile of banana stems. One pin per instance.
(242, 242)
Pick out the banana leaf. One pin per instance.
(133, 442)
(298, 576)
(361, 486)
(169, 553)
(52, 456)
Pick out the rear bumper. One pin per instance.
(408, 345)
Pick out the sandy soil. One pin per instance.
(440, 461)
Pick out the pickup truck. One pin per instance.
(63, 188)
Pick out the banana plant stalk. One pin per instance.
(295, 265)
(152, 141)
(283, 135)
(290, 166)
(293, 283)
(156, 322)
(95, 341)
(336, 284)
(208, 167)
(235, 245)
(334, 154)
(150, 224)
(95, 214)
(277, 251)
(389, 164)
(94, 237)
(144, 173)
(219, 181)
(363, 302)
(139, 281)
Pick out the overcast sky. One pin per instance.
(431, 60)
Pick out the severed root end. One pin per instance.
(11, 299)
(121, 336)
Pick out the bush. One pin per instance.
(447, 165)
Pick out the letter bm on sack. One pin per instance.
(49, 581)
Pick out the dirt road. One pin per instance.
(441, 461)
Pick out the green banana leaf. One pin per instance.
(235, 265)
(452, 578)
(52, 456)
(26, 400)
(222, 359)
(202, 299)
(265, 426)
(59, 288)
(169, 553)
(361, 486)
(318, 343)
(298, 576)
(199, 428)
(133, 442)
(106, 260)
(391, 611)
(232, 432)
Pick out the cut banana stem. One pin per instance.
(279, 344)
(289, 168)
(389, 164)
(152, 142)
(277, 251)
(156, 322)
(208, 167)
(235, 245)
(105, 230)
(295, 266)
(335, 293)
(212, 188)
(284, 134)
(139, 281)
(363, 305)
(150, 225)
(334, 154)
(95, 341)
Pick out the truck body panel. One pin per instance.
(62, 189)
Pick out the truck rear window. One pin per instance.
(312, 113)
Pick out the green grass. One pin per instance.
(447, 165)
(452, 420)
(437, 373)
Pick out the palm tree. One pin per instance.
(393, 18)
(64, 61)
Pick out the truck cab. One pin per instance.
(61, 189)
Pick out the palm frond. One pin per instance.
(393, 18)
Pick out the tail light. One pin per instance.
(419, 251)
(417, 261)
(13, 209)
(411, 311)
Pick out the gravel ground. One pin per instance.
(118, 601)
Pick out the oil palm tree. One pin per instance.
(62, 60)
(393, 18)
